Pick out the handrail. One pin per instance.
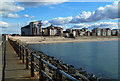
(49, 64)
(67, 75)
(35, 55)
(20, 50)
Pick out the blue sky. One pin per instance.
(49, 12)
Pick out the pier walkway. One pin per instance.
(13, 68)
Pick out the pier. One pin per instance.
(13, 68)
(19, 64)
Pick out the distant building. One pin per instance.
(82, 33)
(96, 32)
(25, 31)
(87, 33)
(114, 32)
(70, 32)
(52, 31)
(108, 32)
(65, 34)
(84, 29)
(103, 32)
(33, 29)
(78, 32)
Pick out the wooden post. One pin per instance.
(20, 53)
(32, 65)
(18, 50)
(58, 74)
(41, 67)
(27, 62)
(23, 54)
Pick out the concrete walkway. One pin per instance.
(14, 69)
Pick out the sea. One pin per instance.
(99, 58)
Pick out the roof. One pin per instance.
(115, 29)
(27, 26)
(65, 32)
(51, 26)
(108, 29)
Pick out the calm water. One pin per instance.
(99, 58)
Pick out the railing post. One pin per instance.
(27, 62)
(41, 67)
(58, 74)
(18, 50)
(32, 65)
(20, 53)
(23, 54)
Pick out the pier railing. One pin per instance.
(28, 57)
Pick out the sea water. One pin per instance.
(99, 58)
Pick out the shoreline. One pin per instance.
(72, 41)
(49, 40)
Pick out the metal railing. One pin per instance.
(28, 57)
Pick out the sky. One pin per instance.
(64, 13)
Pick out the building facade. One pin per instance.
(33, 29)
(96, 32)
(108, 32)
(52, 31)
(114, 32)
(103, 32)
(25, 31)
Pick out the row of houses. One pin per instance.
(95, 32)
(35, 29)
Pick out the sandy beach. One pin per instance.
(46, 40)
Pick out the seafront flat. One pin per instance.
(13, 68)
(45, 40)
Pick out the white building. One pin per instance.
(108, 32)
(34, 28)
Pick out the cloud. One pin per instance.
(102, 13)
(12, 15)
(32, 16)
(3, 24)
(46, 23)
(51, 7)
(111, 25)
(60, 20)
(26, 15)
(8, 7)
(35, 3)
